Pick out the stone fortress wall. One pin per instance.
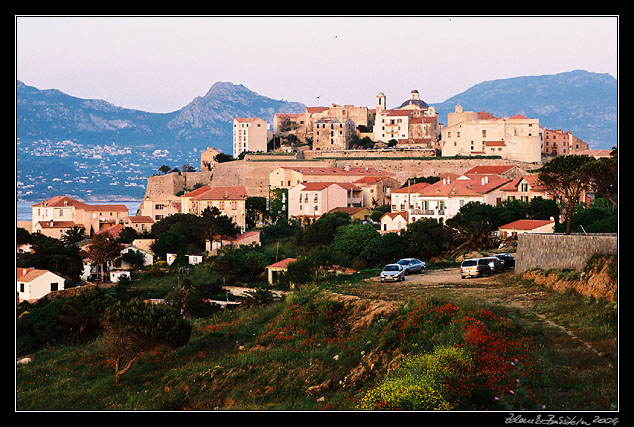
(253, 172)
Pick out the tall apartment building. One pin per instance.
(250, 134)
(513, 138)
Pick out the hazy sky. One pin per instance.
(161, 63)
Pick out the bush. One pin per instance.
(419, 383)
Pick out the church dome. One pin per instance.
(414, 101)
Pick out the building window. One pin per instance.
(53, 287)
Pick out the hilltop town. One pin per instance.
(302, 225)
(387, 167)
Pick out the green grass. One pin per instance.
(289, 354)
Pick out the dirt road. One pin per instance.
(493, 289)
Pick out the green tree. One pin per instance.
(164, 169)
(218, 226)
(102, 250)
(388, 248)
(189, 300)
(568, 177)
(256, 210)
(134, 258)
(134, 327)
(73, 235)
(351, 240)
(473, 226)
(605, 178)
(427, 238)
(322, 231)
(51, 254)
(127, 235)
(79, 315)
(278, 204)
(540, 208)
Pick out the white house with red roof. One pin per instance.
(276, 268)
(33, 284)
(521, 226)
(443, 199)
(246, 238)
(524, 188)
(394, 221)
(376, 190)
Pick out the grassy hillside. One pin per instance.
(328, 347)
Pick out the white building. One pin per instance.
(514, 138)
(33, 284)
(250, 134)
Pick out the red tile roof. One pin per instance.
(483, 115)
(531, 180)
(196, 192)
(32, 274)
(113, 231)
(223, 193)
(338, 171)
(526, 224)
(494, 143)
(393, 215)
(316, 109)
(283, 263)
(141, 219)
(416, 188)
(58, 224)
(60, 201)
(489, 170)
(318, 186)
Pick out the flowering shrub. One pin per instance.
(477, 367)
(419, 382)
(498, 349)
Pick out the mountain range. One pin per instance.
(63, 141)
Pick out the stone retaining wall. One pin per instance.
(561, 251)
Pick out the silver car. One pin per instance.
(412, 265)
(392, 272)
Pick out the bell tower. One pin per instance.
(380, 102)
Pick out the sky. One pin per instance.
(161, 63)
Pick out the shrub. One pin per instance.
(419, 383)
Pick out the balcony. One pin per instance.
(427, 212)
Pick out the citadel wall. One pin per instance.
(254, 173)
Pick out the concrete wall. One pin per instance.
(561, 251)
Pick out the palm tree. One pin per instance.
(73, 235)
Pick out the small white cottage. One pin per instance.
(33, 284)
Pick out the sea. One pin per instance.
(23, 211)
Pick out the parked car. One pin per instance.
(412, 265)
(496, 264)
(477, 267)
(392, 272)
(508, 260)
